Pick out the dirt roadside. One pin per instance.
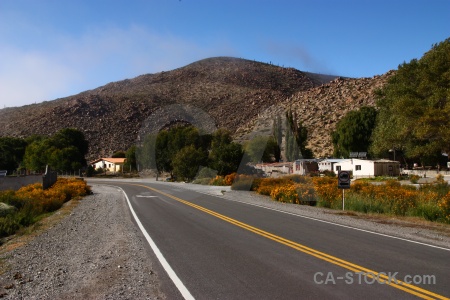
(95, 253)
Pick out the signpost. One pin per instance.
(343, 183)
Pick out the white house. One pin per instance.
(361, 168)
(109, 163)
(328, 164)
(305, 166)
(275, 169)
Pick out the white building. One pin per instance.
(275, 169)
(109, 163)
(328, 164)
(361, 168)
(305, 166)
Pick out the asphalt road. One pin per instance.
(221, 249)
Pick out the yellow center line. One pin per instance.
(409, 288)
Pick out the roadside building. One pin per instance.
(275, 169)
(362, 168)
(328, 164)
(109, 164)
(305, 166)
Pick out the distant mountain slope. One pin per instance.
(320, 108)
(231, 90)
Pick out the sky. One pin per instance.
(51, 49)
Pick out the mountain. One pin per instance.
(234, 92)
(230, 90)
(320, 108)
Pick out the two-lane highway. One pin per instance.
(221, 249)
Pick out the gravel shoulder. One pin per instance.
(96, 251)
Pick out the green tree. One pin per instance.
(69, 137)
(187, 161)
(146, 153)
(353, 132)
(163, 154)
(36, 155)
(296, 138)
(414, 108)
(130, 155)
(262, 149)
(12, 151)
(64, 151)
(119, 154)
(277, 132)
(225, 155)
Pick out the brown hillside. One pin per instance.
(231, 90)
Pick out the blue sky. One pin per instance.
(56, 48)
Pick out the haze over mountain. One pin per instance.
(233, 91)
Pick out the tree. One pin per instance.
(119, 154)
(414, 108)
(296, 138)
(353, 131)
(187, 161)
(277, 132)
(64, 151)
(225, 155)
(262, 149)
(12, 151)
(130, 155)
(36, 155)
(71, 137)
(163, 155)
(146, 153)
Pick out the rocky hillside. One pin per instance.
(320, 108)
(232, 91)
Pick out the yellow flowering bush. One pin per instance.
(285, 193)
(32, 201)
(229, 179)
(444, 207)
(431, 202)
(327, 191)
(53, 198)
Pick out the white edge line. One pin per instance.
(328, 222)
(173, 276)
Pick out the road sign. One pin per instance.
(344, 179)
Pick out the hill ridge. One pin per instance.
(231, 90)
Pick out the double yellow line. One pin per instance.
(383, 278)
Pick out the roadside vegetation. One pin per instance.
(29, 204)
(428, 201)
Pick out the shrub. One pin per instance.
(327, 191)
(414, 178)
(206, 173)
(229, 179)
(32, 201)
(285, 193)
(245, 183)
(204, 181)
(444, 207)
(218, 180)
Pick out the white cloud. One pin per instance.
(28, 77)
(70, 65)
